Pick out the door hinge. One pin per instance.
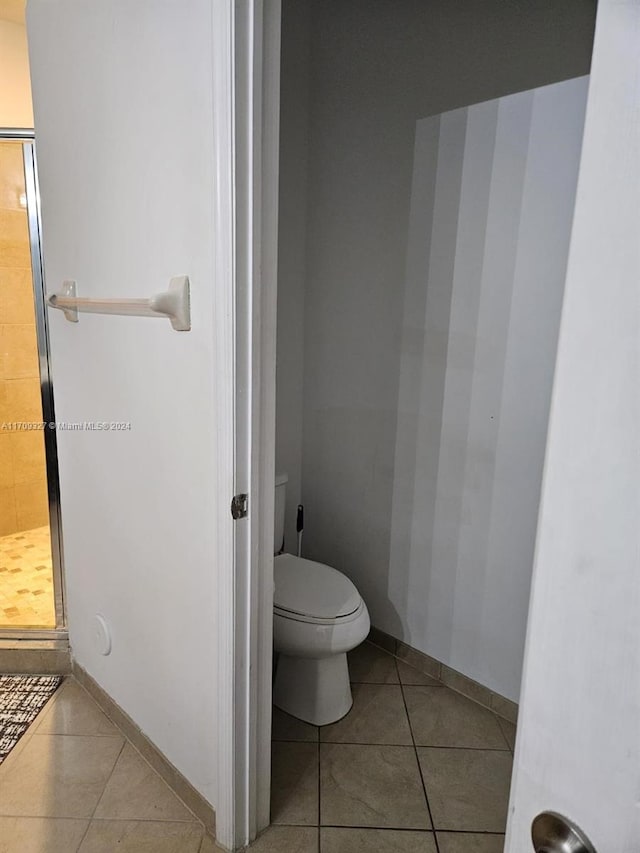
(239, 506)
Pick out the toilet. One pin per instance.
(318, 616)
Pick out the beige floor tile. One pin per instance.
(286, 727)
(40, 834)
(509, 731)
(294, 784)
(378, 715)
(468, 789)
(440, 717)
(469, 842)
(372, 665)
(73, 712)
(286, 839)
(58, 776)
(338, 840)
(131, 836)
(410, 675)
(136, 792)
(375, 786)
(209, 846)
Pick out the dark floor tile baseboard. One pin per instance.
(503, 707)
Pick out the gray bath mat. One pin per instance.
(22, 697)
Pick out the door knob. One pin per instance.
(553, 833)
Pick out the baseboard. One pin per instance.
(35, 657)
(181, 786)
(501, 706)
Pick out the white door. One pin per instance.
(144, 117)
(578, 746)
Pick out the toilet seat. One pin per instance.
(315, 620)
(306, 591)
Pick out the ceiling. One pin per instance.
(12, 10)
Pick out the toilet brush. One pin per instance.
(300, 527)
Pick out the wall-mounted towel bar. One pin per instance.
(172, 304)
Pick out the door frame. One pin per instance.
(257, 157)
(25, 137)
(247, 89)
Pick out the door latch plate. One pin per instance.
(239, 506)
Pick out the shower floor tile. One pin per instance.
(26, 580)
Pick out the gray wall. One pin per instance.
(377, 70)
(294, 139)
(491, 211)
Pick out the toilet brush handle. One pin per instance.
(300, 527)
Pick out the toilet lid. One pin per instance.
(312, 589)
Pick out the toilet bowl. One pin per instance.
(318, 616)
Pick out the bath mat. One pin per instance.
(22, 697)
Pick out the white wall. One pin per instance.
(376, 71)
(15, 91)
(125, 120)
(491, 212)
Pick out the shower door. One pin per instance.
(31, 587)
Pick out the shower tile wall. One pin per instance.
(23, 486)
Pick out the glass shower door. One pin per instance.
(31, 594)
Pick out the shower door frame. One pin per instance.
(26, 138)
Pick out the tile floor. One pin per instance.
(413, 768)
(26, 580)
(74, 785)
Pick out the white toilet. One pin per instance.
(318, 616)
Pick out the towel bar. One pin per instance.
(172, 304)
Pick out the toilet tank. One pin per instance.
(280, 504)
